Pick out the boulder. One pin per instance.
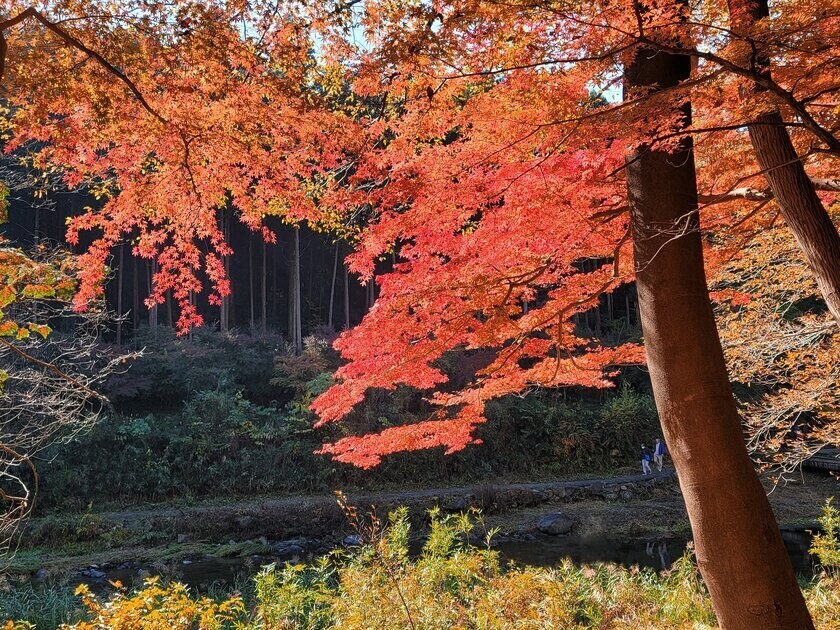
(353, 540)
(555, 524)
(288, 548)
(458, 504)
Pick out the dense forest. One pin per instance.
(225, 409)
(391, 293)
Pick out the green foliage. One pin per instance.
(43, 606)
(221, 415)
(171, 369)
(451, 584)
(627, 420)
(826, 543)
(219, 444)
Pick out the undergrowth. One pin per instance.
(453, 583)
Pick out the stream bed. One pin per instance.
(540, 550)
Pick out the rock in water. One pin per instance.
(555, 524)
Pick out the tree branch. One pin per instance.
(754, 194)
(75, 43)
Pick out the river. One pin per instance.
(546, 551)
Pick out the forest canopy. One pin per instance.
(496, 171)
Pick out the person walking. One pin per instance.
(659, 454)
(645, 460)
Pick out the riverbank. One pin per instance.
(157, 540)
(454, 581)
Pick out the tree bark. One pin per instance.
(251, 298)
(346, 297)
(263, 289)
(298, 317)
(739, 548)
(793, 190)
(224, 307)
(120, 272)
(135, 295)
(153, 311)
(294, 294)
(332, 286)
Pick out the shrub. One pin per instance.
(627, 420)
(155, 607)
(451, 583)
(826, 543)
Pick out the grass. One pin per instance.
(451, 584)
(42, 606)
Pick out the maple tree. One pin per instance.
(470, 174)
(784, 170)
(782, 350)
(480, 147)
(489, 157)
(203, 118)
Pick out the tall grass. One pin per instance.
(40, 605)
(451, 584)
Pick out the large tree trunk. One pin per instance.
(739, 548)
(792, 188)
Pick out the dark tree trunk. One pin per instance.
(332, 287)
(153, 311)
(739, 548)
(251, 297)
(135, 294)
(263, 288)
(346, 298)
(792, 188)
(224, 307)
(298, 321)
(192, 302)
(370, 289)
(120, 273)
(294, 294)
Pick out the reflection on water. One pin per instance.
(661, 546)
(653, 552)
(656, 553)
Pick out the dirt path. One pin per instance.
(449, 495)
